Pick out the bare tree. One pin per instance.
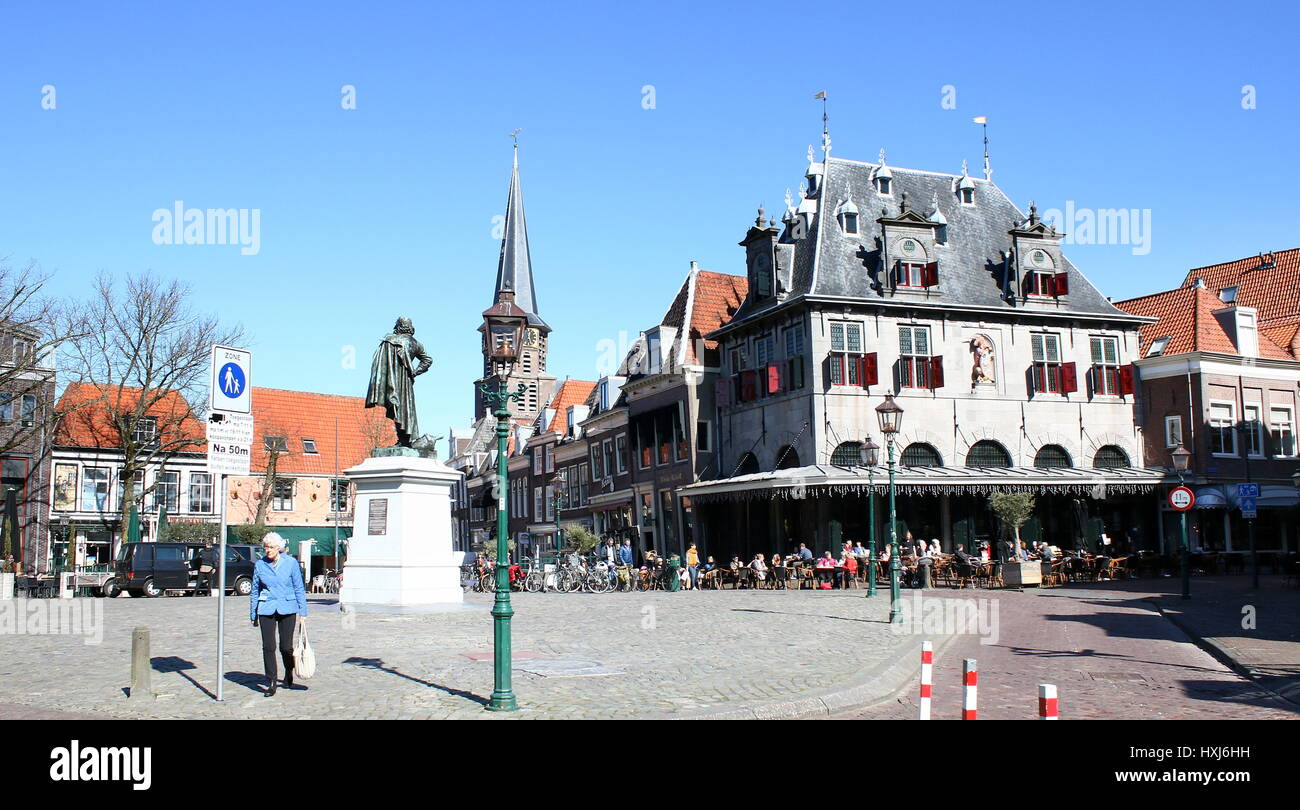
(143, 356)
(276, 437)
(32, 326)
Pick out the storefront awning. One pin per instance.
(803, 482)
(1210, 498)
(1224, 496)
(322, 535)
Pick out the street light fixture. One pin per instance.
(891, 420)
(503, 326)
(1182, 460)
(558, 490)
(870, 452)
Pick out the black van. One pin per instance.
(150, 569)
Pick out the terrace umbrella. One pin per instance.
(162, 524)
(132, 527)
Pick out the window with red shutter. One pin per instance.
(870, 370)
(930, 274)
(936, 371)
(1126, 379)
(722, 392)
(773, 379)
(1061, 284)
(1069, 378)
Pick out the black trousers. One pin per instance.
(268, 625)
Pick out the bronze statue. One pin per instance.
(392, 379)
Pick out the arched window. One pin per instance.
(847, 454)
(1111, 456)
(787, 457)
(748, 464)
(988, 453)
(921, 455)
(1052, 455)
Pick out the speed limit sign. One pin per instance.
(1181, 499)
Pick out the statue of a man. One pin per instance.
(392, 379)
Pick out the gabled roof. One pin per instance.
(705, 302)
(1186, 317)
(1273, 291)
(298, 415)
(572, 392)
(88, 409)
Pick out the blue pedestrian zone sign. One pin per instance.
(1248, 506)
(1247, 490)
(230, 380)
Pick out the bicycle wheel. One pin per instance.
(534, 582)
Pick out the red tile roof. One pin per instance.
(88, 410)
(296, 415)
(572, 392)
(1273, 291)
(1187, 319)
(717, 297)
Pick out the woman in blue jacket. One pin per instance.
(278, 600)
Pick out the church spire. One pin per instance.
(515, 267)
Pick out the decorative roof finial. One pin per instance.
(826, 145)
(963, 168)
(762, 215)
(903, 203)
(812, 156)
(1033, 213)
(515, 136)
(789, 198)
(882, 156)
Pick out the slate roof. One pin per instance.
(1273, 291)
(515, 264)
(1186, 317)
(87, 417)
(296, 415)
(828, 262)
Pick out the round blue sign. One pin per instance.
(230, 380)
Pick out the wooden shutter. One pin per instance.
(870, 370)
(1126, 379)
(1069, 378)
(1061, 284)
(721, 393)
(773, 379)
(930, 275)
(747, 385)
(936, 371)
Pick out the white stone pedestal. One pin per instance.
(400, 558)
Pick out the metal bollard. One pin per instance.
(141, 669)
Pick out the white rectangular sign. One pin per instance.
(228, 458)
(231, 380)
(234, 428)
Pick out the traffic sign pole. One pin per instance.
(221, 600)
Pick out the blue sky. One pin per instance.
(387, 209)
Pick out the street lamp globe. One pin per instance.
(1182, 459)
(891, 417)
(870, 453)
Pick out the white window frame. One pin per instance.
(538, 508)
(199, 482)
(1173, 421)
(1231, 427)
(1290, 426)
(1257, 425)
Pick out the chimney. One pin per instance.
(1198, 284)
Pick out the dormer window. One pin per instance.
(1228, 295)
(883, 184)
(967, 196)
(848, 217)
(965, 187)
(1158, 348)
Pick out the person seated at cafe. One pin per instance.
(708, 572)
(825, 567)
(860, 551)
(759, 568)
(984, 552)
(1022, 553)
(736, 564)
(850, 565)
(778, 571)
(804, 553)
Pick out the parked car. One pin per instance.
(152, 569)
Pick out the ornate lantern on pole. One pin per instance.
(891, 420)
(870, 453)
(558, 490)
(503, 327)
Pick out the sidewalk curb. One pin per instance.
(877, 684)
(1287, 689)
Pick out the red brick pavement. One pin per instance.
(1110, 653)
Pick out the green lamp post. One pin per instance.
(503, 326)
(891, 418)
(558, 490)
(870, 452)
(1182, 459)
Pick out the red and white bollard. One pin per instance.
(969, 681)
(1047, 702)
(927, 674)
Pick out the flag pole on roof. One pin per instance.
(826, 135)
(983, 121)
